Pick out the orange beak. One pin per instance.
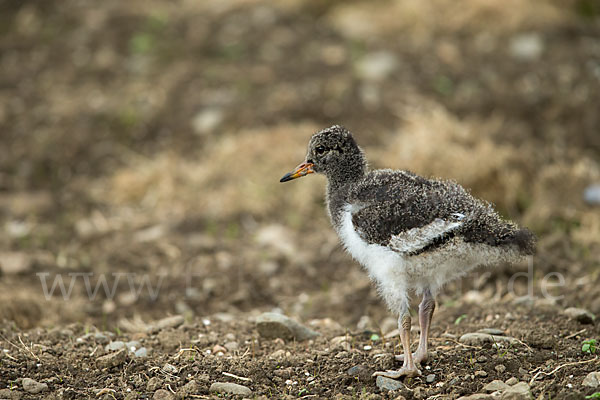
(300, 171)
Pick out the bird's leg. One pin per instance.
(426, 309)
(408, 367)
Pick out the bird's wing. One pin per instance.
(408, 213)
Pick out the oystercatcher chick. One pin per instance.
(411, 234)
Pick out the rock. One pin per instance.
(169, 368)
(430, 378)
(101, 338)
(231, 346)
(527, 46)
(231, 388)
(272, 326)
(386, 384)
(591, 194)
(162, 394)
(477, 396)
(113, 346)
(365, 324)
(33, 386)
(580, 314)
(512, 381)
(14, 262)
(189, 389)
(500, 368)
(153, 384)
(279, 354)
(592, 380)
(112, 359)
(376, 66)
(496, 385)
(133, 345)
(10, 394)
(520, 391)
(207, 120)
(481, 374)
(478, 338)
(340, 342)
(169, 322)
(492, 331)
(142, 352)
(360, 371)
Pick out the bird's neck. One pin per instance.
(339, 182)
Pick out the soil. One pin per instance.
(142, 144)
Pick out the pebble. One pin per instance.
(231, 346)
(520, 391)
(500, 368)
(232, 388)
(495, 385)
(15, 262)
(112, 359)
(512, 381)
(170, 368)
(189, 389)
(33, 386)
(360, 371)
(169, 322)
(10, 394)
(142, 352)
(279, 354)
(478, 338)
(133, 345)
(376, 66)
(492, 331)
(481, 373)
(580, 314)
(430, 378)
(162, 394)
(101, 338)
(273, 325)
(153, 384)
(592, 380)
(527, 46)
(477, 396)
(114, 346)
(387, 384)
(591, 194)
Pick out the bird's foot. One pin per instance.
(418, 357)
(404, 371)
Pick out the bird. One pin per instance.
(411, 234)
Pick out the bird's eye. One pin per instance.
(320, 149)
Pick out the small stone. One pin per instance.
(33, 386)
(133, 345)
(591, 194)
(278, 354)
(169, 322)
(527, 46)
(360, 371)
(101, 338)
(231, 388)
(189, 389)
(500, 368)
(481, 359)
(520, 391)
(592, 380)
(481, 374)
(15, 262)
(273, 325)
(162, 394)
(114, 346)
(153, 384)
(495, 385)
(112, 359)
(492, 331)
(477, 396)
(219, 350)
(386, 384)
(170, 368)
(231, 346)
(512, 381)
(481, 338)
(580, 314)
(430, 378)
(9, 394)
(142, 352)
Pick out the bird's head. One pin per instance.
(332, 152)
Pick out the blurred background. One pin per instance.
(148, 138)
